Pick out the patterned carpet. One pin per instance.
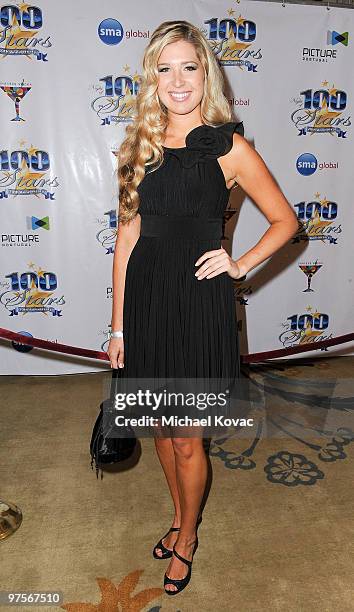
(278, 522)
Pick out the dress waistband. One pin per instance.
(172, 226)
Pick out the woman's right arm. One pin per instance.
(127, 237)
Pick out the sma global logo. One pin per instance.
(110, 31)
(19, 346)
(306, 164)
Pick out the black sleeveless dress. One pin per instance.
(174, 324)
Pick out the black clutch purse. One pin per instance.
(104, 449)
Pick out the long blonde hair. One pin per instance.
(144, 136)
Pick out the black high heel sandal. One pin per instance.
(167, 552)
(180, 583)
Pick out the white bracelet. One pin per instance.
(116, 334)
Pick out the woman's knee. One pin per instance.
(162, 441)
(185, 447)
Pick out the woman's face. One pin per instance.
(181, 77)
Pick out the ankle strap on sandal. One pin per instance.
(186, 561)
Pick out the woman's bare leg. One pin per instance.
(191, 471)
(166, 455)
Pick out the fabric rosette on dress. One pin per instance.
(206, 142)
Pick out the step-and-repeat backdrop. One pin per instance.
(69, 73)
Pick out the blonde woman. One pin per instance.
(173, 303)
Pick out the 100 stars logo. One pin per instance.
(318, 220)
(24, 171)
(20, 34)
(233, 41)
(305, 328)
(32, 291)
(322, 111)
(114, 97)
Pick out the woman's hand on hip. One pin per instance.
(115, 352)
(216, 262)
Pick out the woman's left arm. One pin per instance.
(244, 165)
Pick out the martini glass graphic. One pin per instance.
(310, 270)
(16, 93)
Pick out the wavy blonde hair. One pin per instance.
(142, 145)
